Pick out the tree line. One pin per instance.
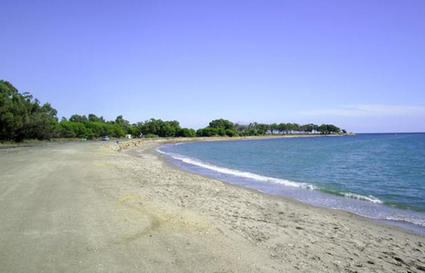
(23, 117)
(222, 127)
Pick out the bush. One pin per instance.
(207, 132)
(186, 132)
(150, 136)
(231, 133)
(221, 123)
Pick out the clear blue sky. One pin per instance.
(358, 64)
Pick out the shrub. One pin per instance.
(150, 136)
(186, 132)
(231, 132)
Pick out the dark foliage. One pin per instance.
(222, 127)
(23, 117)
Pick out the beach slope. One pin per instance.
(95, 207)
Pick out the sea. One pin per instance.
(380, 176)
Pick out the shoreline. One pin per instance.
(134, 142)
(360, 205)
(315, 223)
(165, 159)
(84, 207)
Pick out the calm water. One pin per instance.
(381, 176)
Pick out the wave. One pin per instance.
(237, 173)
(369, 198)
(257, 177)
(243, 174)
(400, 218)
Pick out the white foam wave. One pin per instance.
(237, 173)
(401, 218)
(257, 177)
(369, 198)
(412, 219)
(161, 152)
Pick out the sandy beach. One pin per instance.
(103, 207)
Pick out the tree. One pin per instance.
(186, 132)
(23, 117)
(78, 118)
(42, 122)
(207, 132)
(231, 133)
(328, 129)
(94, 118)
(221, 123)
(156, 127)
(307, 128)
(121, 122)
(274, 127)
(262, 128)
(283, 128)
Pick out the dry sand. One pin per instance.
(285, 235)
(91, 208)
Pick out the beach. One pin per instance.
(107, 207)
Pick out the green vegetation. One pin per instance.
(221, 127)
(83, 128)
(22, 117)
(218, 127)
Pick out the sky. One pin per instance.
(359, 64)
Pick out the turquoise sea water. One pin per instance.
(381, 176)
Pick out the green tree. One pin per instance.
(78, 118)
(221, 123)
(124, 124)
(186, 132)
(231, 133)
(207, 132)
(94, 118)
(23, 117)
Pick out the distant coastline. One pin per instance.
(135, 142)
